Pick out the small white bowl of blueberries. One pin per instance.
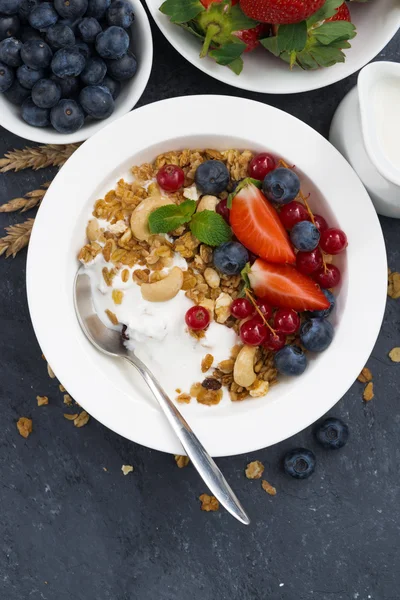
(69, 67)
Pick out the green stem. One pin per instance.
(212, 30)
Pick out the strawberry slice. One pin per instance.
(256, 224)
(283, 286)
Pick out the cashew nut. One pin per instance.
(140, 216)
(243, 371)
(207, 203)
(165, 289)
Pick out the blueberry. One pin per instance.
(71, 23)
(71, 9)
(96, 101)
(281, 185)
(305, 236)
(113, 85)
(112, 43)
(6, 77)
(322, 314)
(123, 68)
(25, 8)
(332, 434)
(10, 49)
(33, 115)
(67, 116)
(46, 93)
(36, 54)
(16, 94)
(69, 86)
(230, 258)
(316, 335)
(60, 35)
(9, 26)
(97, 8)
(299, 463)
(212, 177)
(120, 13)
(83, 48)
(43, 16)
(27, 77)
(94, 71)
(290, 360)
(9, 7)
(89, 28)
(68, 62)
(28, 33)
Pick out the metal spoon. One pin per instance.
(110, 342)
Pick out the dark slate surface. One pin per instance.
(69, 529)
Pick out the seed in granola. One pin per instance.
(211, 384)
(268, 488)
(212, 278)
(24, 426)
(254, 470)
(125, 275)
(206, 362)
(208, 503)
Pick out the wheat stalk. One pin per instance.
(39, 157)
(30, 200)
(17, 238)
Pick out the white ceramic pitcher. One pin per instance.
(366, 130)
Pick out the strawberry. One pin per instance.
(257, 226)
(342, 14)
(283, 286)
(251, 37)
(280, 11)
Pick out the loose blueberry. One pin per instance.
(94, 71)
(60, 35)
(6, 77)
(322, 314)
(67, 116)
(97, 8)
(212, 177)
(230, 258)
(305, 236)
(97, 101)
(299, 463)
(71, 9)
(123, 68)
(113, 85)
(36, 54)
(16, 94)
(46, 93)
(83, 48)
(25, 8)
(112, 43)
(9, 26)
(43, 16)
(332, 434)
(28, 33)
(120, 13)
(27, 77)
(68, 62)
(69, 86)
(89, 28)
(281, 185)
(9, 7)
(10, 49)
(316, 335)
(291, 360)
(71, 23)
(33, 115)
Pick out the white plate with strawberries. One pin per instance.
(326, 40)
(267, 221)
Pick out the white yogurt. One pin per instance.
(386, 100)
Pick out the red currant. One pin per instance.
(170, 178)
(274, 341)
(293, 213)
(223, 210)
(308, 262)
(242, 308)
(320, 223)
(333, 241)
(253, 332)
(197, 318)
(261, 165)
(329, 278)
(286, 321)
(265, 308)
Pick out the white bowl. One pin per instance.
(113, 392)
(142, 47)
(377, 22)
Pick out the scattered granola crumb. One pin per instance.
(62, 388)
(268, 488)
(254, 470)
(368, 392)
(394, 285)
(50, 372)
(365, 376)
(394, 355)
(42, 400)
(178, 390)
(112, 316)
(105, 469)
(182, 461)
(67, 400)
(126, 469)
(183, 398)
(70, 417)
(81, 419)
(208, 503)
(206, 362)
(24, 426)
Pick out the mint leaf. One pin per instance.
(240, 186)
(334, 31)
(239, 20)
(181, 11)
(210, 228)
(187, 208)
(228, 52)
(169, 217)
(236, 66)
(292, 37)
(326, 11)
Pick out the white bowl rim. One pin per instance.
(250, 426)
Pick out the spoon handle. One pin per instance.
(195, 450)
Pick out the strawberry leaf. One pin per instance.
(292, 37)
(334, 31)
(325, 12)
(240, 186)
(210, 228)
(236, 66)
(271, 44)
(239, 20)
(169, 217)
(228, 52)
(181, 11)
(191, 29)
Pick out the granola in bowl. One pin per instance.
(217, 285)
